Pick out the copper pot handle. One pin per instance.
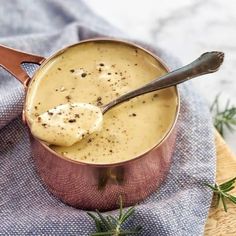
(11, 60)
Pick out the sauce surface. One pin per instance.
(96, 73)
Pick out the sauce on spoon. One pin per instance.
(68, 123)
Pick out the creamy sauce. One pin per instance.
(96, 73)
(67, 124)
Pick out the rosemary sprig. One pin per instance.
(222, 192)
(223, 118)
(109, 225)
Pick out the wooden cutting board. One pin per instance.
(220, 222)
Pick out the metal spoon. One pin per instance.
(208, 62)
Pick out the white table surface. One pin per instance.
(186, 29)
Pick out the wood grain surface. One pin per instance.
(220, 222)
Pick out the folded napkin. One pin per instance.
(178, 207)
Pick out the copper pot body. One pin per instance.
(95, 186)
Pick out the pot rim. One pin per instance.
(107, 39)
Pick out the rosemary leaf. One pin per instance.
(222, 192)
(110, 225)
(227, 183)
(99, 227)
(111, 222)
(127, 214)
(232, 198)
(218, 200)
(104, 221)
(223, 201)
(225, 118)
(228, 189)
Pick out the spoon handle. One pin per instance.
(208, 62)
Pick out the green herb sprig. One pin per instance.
(223, 118)
(222, 192)
(110, 225)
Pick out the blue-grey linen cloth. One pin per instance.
(178, 208)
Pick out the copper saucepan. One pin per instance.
(95, 186)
